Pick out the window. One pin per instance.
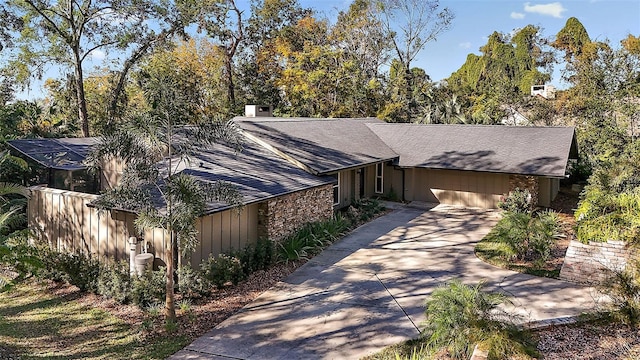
(336, 189)
(379, 182)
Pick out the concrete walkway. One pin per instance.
(367, 291)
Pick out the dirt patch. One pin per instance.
(589, 342)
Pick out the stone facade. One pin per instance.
(531, 183)
(281, 216)
(593, 263)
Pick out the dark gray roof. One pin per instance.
(542, 151)
(323, 145)
(256, 173)
(62, 154)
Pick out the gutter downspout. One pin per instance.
(403, 184)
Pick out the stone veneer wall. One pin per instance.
(281, 216)
(593, 263)
(522, 182)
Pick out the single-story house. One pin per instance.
(296, 170)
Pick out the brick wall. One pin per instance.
(283, 215)
(593, 263)
(522, 182)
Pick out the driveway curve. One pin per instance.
(367, 291)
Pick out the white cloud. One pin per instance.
(98, 55)
(552, 9)
(517, 15)
(465, 45)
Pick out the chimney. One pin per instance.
(258, 111)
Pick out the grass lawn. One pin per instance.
(36, 324)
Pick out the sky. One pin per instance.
(475, 20)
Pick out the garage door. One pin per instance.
(466, 188)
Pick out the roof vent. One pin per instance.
(258, 111)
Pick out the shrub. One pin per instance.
(222, 269)
(294, 248)
(114, 281)
(528, 235)
(363, 210)
(459, 316)
(76, 269)
(624, 291)
(518, 201)
(81, 270)
(149, 288)
(258, 256)
(191, 283)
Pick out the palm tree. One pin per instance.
(152, 146)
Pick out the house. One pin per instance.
(296, 170)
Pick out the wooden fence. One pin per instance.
(62, 219)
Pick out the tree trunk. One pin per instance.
(170, 307)
(231, 93)
(82, 101)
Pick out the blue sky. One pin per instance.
(475, 20)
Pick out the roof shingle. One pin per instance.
(525, 150)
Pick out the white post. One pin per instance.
(133, 247)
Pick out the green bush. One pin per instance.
(311, 239)
(611, 201)
(76, 269)
(149, 288)
(258, 256)
(222, 269)
(459, 316)
(527, 235)
(191, 283)
(517, 201)
(363, 210)
(624, 291)
(114, 281)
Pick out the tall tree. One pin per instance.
(152, 185)
(68, 33)
(260, 64)
(498, 81)
(411, 25)
(225, 23)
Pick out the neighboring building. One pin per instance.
(546, 91)
(296, 170)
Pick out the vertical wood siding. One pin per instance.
(225, 231)
(466, 188)
(62, 220)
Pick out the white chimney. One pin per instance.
(258, 111)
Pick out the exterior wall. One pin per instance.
(348, 189)
(62, 220)
(225, 231)
(548, 190)
(466, 188)
(111, 173)
(531, 183)
(391, 178)
(593, 263)
(279, 217)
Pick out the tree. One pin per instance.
(69, 33)
(223, 21)
(498, 81)
(411, 25)
(153, 148)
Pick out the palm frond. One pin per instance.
(16, 189)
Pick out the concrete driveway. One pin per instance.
(367, 291)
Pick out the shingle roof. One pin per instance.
(322, 145)
(62, 154)
(256, 173)
(542, 151)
